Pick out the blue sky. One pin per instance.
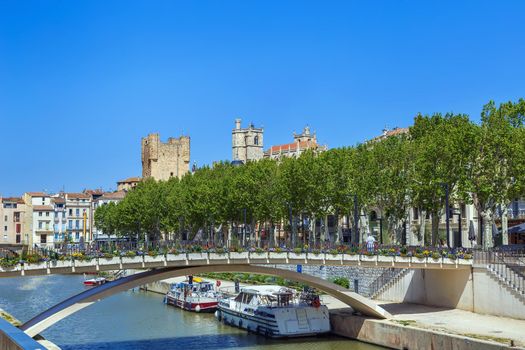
(82, 81)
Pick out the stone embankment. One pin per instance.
(413, 326)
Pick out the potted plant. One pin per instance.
(258, 254)
(219, 253)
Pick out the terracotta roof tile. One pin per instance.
(59, 200)
(42, 208)
(130, 179)
(77, 196)
(114, 195)
(292, 147)
(18, 200)
(37, 194)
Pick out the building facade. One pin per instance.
(42, 218)
(78, 214)
(163, 160)
(106, 198)
(60, 219)
(302, 142)
(14, 228)
(128, 184)
(247, 143)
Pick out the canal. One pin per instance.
(137, 320)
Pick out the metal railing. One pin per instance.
(508, 265)
(382, 280)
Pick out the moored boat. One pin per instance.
(193, 295)
(95, 281)
(275, 311)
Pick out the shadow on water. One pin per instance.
(208, 342)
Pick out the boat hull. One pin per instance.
(192, 305)
(94, 282)
(267, 326)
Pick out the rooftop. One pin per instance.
(42, 208)
(77, 196)
(130, 179)
(17, 200)
(37, 194)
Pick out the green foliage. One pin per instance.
(483, 164)
(342, 281)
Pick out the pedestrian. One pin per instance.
(370, 242)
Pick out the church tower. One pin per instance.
(247, 143)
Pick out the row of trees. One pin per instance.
(481, 163)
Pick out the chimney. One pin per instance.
(237, 124)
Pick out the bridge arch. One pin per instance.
(77, 302)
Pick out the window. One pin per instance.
(5, 228)
(47, 213)
(18, 238)
(43, 238)
(256, 140)
(77, 223)
(70, 212)
(171, 174)
(40, 224)
(5, 217)
(78, 212)
(5, 237)
(416, 213)
(39, 213)
(18, 228)
(77, 236)
(70, 224)
(463, 210)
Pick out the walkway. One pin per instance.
(452, 321)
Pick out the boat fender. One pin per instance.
(197, 308)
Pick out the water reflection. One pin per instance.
(138, 320)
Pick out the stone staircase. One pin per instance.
(509, 276)
(386, 280)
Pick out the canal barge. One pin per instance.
(275, 312)
(193, 295)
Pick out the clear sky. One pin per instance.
(82, 81)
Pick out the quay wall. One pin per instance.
(364, 276)
(396, 336)
(473, 290)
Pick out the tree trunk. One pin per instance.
(311, 228)
(422, 227)
(435, 228)
(365, 225)
(486, 217)
(339, 233)
(505, 225)
(326, 231)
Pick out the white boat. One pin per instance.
(95, 281)
(198, 296)
(275, 311)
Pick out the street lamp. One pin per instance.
(457, 212)
(356, 220)
(447, 213)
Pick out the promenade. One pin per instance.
(500, 331)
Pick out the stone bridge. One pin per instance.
(69, 306)
(243, 258)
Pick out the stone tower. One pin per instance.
(162, 160)
(247, 143)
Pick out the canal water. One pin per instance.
(138, 320)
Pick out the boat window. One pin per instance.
(239, 297)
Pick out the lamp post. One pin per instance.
(458, 213)
(380, 230)
(244, 228)
(447, 213)
(356, 220)
(291, 223)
